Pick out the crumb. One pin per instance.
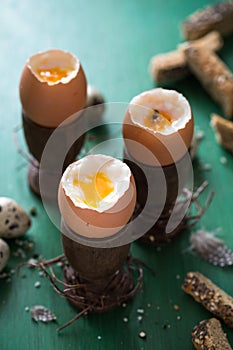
(151, 238)
(223, 160)
(32, 261)
(33, 211)
(207, 166)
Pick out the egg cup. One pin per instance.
(158, 130)
(53, 90)
(157, 233)
(96, 199)
(100, 279)
(36, 137)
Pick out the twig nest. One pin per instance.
(14, 221)
(4, 254)
(95, 100)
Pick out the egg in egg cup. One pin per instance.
(157, 131)
(53, 88)
(97, 196)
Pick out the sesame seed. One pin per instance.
(125, 319)
(37, 284)
(99, 337)
(140, 311)
(142, 335)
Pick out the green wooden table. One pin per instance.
(114, 41)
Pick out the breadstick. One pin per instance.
(223, 130)
(208, 335)
(213, 74)
(210, 296)
(173, 65)
(216, 17)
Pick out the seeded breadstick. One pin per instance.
(214, 75)
(208, 335)
(173, 65)
(210, 296)
(217, 17)
(223, 130)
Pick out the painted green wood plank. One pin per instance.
(114, 41)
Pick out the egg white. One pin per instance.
(117, 171)
(174, 103)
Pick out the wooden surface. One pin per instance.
(114, 41)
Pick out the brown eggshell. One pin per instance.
(93, 224)
(50, 105)
(156, 149)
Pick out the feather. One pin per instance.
(211, 248)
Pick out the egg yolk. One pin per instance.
(52, 75)
(95, 188)
(157, 120)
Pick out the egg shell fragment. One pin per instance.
(14, 221)
(4, 254)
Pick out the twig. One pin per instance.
(121, 286)
(24, 154)
(76, 317)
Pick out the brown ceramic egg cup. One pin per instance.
(36, 137)
(99, 279)
(157, 233)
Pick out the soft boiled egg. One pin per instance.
(52, 87)
(97, 196)
(158, 127)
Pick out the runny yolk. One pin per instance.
(158, 120)
(52, 75)
(95, 188)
